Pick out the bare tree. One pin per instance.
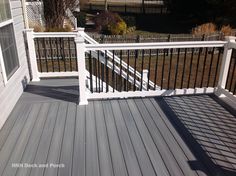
(106, 5)
(55, 11)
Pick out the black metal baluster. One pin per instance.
(183, 71)
(107, 74)
(233, 72)
(170, 68)
(149, 68)
(103, 70)
(76, 62)
(90, 71)
(69, 53)
(142, 70)
(51, 50)
(209, 73)
(63, 52)
(113, 70)
(95, 73)
(198, 59)
(177, 68)
(121, 70)
(45, 54)
(99, 72)
(163, 66)
(127, 80)
(135, 63)
(204, 66)
(190, 69)
(234, 92)
(217, 66)
(156, 68)
(39, 55)
(58, 61)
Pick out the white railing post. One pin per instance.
(80, 48)
(145, 79)
(225, 63)
(32, 55)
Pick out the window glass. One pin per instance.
(9, 51)
(5, 11)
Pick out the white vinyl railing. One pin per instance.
(143, 85)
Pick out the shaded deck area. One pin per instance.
(49, 134)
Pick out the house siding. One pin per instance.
(10, 93)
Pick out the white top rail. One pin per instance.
(160, 45)
(54, 34)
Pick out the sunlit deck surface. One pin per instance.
(180, 135)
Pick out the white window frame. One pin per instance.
(2, 24)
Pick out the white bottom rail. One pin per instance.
(151, 93)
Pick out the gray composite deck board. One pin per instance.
(45, 141)
(180, 135)
(181, 152)
(211, 125)
(79, 156)
(140, 149)
(55, 144)
(106, 167)
(119, 165)
(92, 157)
(31, 148)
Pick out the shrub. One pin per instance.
(36, 26)
(207, 28)
(110, 23)
(118, 28)
(226, 30)
(67, 28)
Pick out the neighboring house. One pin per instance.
(14, 68)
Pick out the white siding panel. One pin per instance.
(15, 4)
(16, 12)
(10, 93)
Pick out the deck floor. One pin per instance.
(49, 134)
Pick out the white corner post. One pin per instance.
(80, 48)
(25, 14)
(32, 55)
(225, 64)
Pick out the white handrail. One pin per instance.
(161, 45)
(116, 59)
(54, 34)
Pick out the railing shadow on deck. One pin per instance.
(212, 144)
(64, 93)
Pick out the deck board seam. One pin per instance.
(96, 131)
(113, 116)
(73, 146)
(108, 140)
(162, 136)
(154, 143)
(17, 139)
(34, 122)
(50, 140)
(212, 158)
(61, 145)
(171, 132)
(38, 141)
(122, 114)
(11, 127)
(226, 157)
(143, 141)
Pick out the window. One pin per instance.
(5, 13)
(7, 41)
